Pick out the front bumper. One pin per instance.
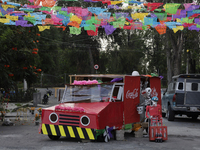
(187, 110)
(68, 131)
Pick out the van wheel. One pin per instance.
(170, 114)
(194, 117)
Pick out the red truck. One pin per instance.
(94, 111)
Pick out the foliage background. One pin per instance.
(61, 54)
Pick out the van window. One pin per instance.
(194, 86)
(180, 86)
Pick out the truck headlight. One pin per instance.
(85, 120)
(53, 117)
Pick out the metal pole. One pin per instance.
(187, 63)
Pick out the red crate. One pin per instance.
(156, 121)
(158, 132)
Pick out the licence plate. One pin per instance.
(193, 109)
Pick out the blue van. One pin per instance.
(182, 97)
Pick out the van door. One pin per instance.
(192, 93)
(180, 92)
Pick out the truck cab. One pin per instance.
(182, 97)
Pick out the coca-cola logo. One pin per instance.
(154, 92)
(132, 95)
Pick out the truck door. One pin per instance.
(131, 99)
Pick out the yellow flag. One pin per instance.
(13, 18)
(139, 16)
(115, 2)
(178, 28)
(29, 15)
(76, 19)
(178, 20)
(5, 7)
(134, 7)
(42, 28)
(127, 23)
(3, 20)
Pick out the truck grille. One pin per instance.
(70, 120)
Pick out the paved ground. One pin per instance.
(182, 134)
(190, 128)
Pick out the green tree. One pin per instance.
(17, 53)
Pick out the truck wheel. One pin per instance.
(52, 137)
(163, 114)
(100, 138)
(170, 114)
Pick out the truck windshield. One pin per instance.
(87, 93)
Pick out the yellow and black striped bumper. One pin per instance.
(68, 131)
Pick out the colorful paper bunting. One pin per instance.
(153, 6)
(139, 16)
(155, 15)
(171, 8)
(42, 28)
(178, 28)
(74, 30)
(161, 29)
(92, 33)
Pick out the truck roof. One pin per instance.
(104, 77)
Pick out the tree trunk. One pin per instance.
(177, 46)
(169, 63)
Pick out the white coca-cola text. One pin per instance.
(132, 95)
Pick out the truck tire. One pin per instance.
(170, 114)
(52, 137)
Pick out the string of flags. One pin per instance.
(142, 16)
